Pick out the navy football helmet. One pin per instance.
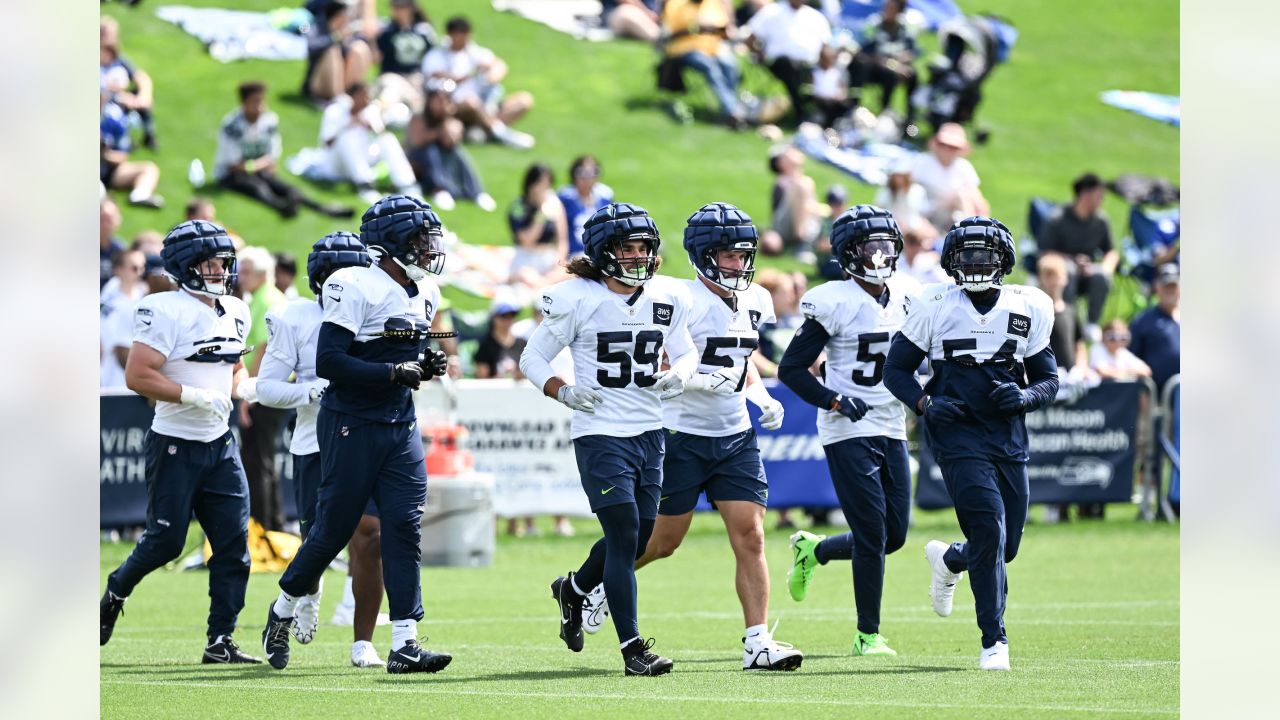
(978, 252)
(720, 226)
(866, 242)
(409, 231)
(606, 231)
(334, 252)
(188, 246)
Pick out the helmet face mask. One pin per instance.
(872, 260)
(628, 267)
(408, 231)
(722, 242)
(212, 276)
(426, 251)
(977, 253)
(200, 258)
(735, 278)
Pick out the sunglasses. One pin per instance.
(1116, 337)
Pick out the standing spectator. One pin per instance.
(918, 259)
(249, 148)
(402, 44)
(949, 179)
(1157, 330)
(696, 32)
(887, 56)
(336, 57)
(473, 76)
(259, 424)
(115, 303)
(109, 244)
(286, 273)
(632, 18)
(125, 85)
(797, 214)
(1112, 358)
(830, 89)
(583, 197)
(1081, 232)
(538, 228)
(903, 197)
(355, 140)
(442, 165)
(790, 35)
(115, 170)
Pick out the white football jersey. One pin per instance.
(616, 342)
(860, 333)
(293, 330)
(945, 324)
(724, 338)
(201, 345)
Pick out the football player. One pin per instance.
(616, 318)
(186, 356)
(988, 345)
(293, 332)
(711, 446)
(861, 426)
(374, 330)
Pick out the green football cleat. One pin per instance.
(873, 644)
(804, 561)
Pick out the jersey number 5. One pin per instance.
(711, 356)
(648, 346)
(865, 355)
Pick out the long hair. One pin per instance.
(581, 266)
(535, 173)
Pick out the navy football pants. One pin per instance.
(872, 479)
(185, 477)
(362, 459)
(991, 500)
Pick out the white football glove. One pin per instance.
(316, 391)
(248, 389)
(667, 383)
(579, 398)
(771, 415)
(207, 400)
(720, 382)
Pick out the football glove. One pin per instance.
(771, 414)
(579, 398)
(248, 389)
(942, 410)
(407, 374)
(434, 364)
(207, 400)
(667, 383)
(1008, 397)
(316, 391)
(852, 408)
(720, 382)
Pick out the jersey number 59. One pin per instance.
(645, 352)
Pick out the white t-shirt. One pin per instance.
(724, 338)
(616, 343)
(785, 32)
(1123, 361)
(943, 182)
(239, 139)
(927, 269)
(463, 63)
(293, 332)
(116, 328)
(195, 340)
(337, 118)
(860, 333)
(1016, 328)
(906, 207)
(829, 84)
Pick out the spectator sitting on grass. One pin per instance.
(797, 214)
(249, 147)
(109, 244)
(636, 19)
(887, 56)
(336, 57)
(115, 170)
(950, 182)
(904, 197)
(354, 141)
(472, 75)
(830, 89)
(433, 144)
(1112, 358)
(402, 44)
(1081, 232)
(789, 35)
(539, 230)
(695, 37)
(125, 85)
(583, 197)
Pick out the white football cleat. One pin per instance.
(364, 655)
(595, 608)
(995, 657)
(765, 653)
(942, 584)
(306, 617)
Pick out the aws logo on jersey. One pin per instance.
(755, 319)
(662, 313)
(1019, 325)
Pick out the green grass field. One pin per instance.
(1042, 108)
(1093, 627)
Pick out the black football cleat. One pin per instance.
(637, 659)
(275, 638)
(222, 650)
(569, 603)
(413, 659)
(110, 608)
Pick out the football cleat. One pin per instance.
(995, 657)
(110, 608)
(569, 603)
(275, 638)
(765, 653)
(413, 659)
(803, 545)
(306, 617)
(595, 608)
(637, 660)
(365, 655)
(224, 651)
(872, 644)
(942, 583)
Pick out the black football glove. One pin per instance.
(1008, 397)
(408, 374)
(852, 408)
(434, 364)
(942, 410)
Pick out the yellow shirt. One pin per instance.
(687, 16)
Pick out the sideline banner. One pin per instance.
(1080, 453)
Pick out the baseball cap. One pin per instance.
(952, 135)
(837, 194)
(502, 304)
(1168, 273)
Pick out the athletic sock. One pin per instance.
(757, 633)
(573, 582)
(285, 605)
(402, 631)
(623, 646)
(838, 547)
